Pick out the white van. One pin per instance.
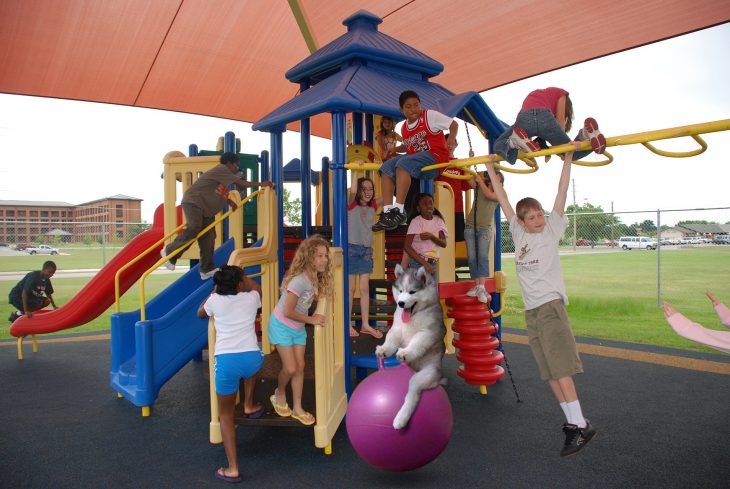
(637, 242)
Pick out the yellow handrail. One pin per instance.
(222, 217)
(677, 154)
(500, 283)
(117, 292)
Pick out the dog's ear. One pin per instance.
(423, 276)
(398, 270)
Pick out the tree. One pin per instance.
(594, 226)
(648, 227)
(292, 209)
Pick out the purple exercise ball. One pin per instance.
(370, 415)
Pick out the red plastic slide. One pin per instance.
(98, 295)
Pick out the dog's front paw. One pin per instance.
(380, 351)
(401, 419)
(402, 355)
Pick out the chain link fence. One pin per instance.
(670, 227)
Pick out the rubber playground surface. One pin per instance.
(661, 416)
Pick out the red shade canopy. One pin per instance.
(228, 58)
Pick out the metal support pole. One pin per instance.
(659, 258)
(339, 226)
(277, 176)
(305, 177)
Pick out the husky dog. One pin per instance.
(417, 335)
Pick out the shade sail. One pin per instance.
(228, 58)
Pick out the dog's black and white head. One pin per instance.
(413, 290)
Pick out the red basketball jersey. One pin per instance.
(422, 138)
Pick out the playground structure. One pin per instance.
(151, 347)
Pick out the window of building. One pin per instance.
(120, 210)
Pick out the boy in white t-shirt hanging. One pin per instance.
(536, 239)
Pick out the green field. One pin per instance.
(612, 295)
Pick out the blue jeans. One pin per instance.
(411, 164)
(536, 122)
(477, 250)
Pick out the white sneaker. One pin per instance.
(520, 140)
(168, 264)
(482, 295)
(473, 291)
(207, 275)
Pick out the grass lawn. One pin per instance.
(76, 258)
(614, 295)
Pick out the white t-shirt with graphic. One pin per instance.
(538, 261)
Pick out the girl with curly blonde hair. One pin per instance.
(308, 277)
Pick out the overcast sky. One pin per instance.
(79, 151)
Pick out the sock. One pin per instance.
(386, 208)
(576, 414)
(400, 207)
(564, 407)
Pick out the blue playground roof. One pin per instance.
(365, 71)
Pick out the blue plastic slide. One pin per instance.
(146, 354)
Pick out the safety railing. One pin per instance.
(235, 197)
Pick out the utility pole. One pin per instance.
(575, 215)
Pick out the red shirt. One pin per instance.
(546, 98)
(423, 138)
(457, 185)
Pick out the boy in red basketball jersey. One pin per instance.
(423, 137)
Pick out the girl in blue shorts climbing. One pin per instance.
(234, 304)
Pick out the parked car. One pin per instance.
(637, 242)
(42, 250)
(722, 239)
(3, 245)
(584, 242)
(22, 247)
(693, 240)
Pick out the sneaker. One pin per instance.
(482, 295)
(520, 140)
(576, 438)
(13, 316)
(207, 275)
(168, 264)
(390, 220)
(591, 133)
(473, 291)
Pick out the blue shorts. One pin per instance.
(282, 335)
(230, 368)
(359, 259)
(412, 164)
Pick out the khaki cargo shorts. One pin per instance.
(552, 341)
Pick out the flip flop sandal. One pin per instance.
(282, 411)
(220, 475)
(375, 333)
(254, 415)
(306, 418)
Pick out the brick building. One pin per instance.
(29, 221)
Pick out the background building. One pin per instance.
(108, 219)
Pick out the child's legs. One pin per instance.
(483, 239)
(471, 251)
(409, 167)
(553, 345)
(503, 148)
(542, 123)
(206, 243)
(226, 407)
(352, 281)
(387, 173)
(295, 362)
(365, 299)
(564, 389)
(193, 225)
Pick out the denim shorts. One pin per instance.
(412, 164)
(359, 259)
(282, 335)
(230, 368)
